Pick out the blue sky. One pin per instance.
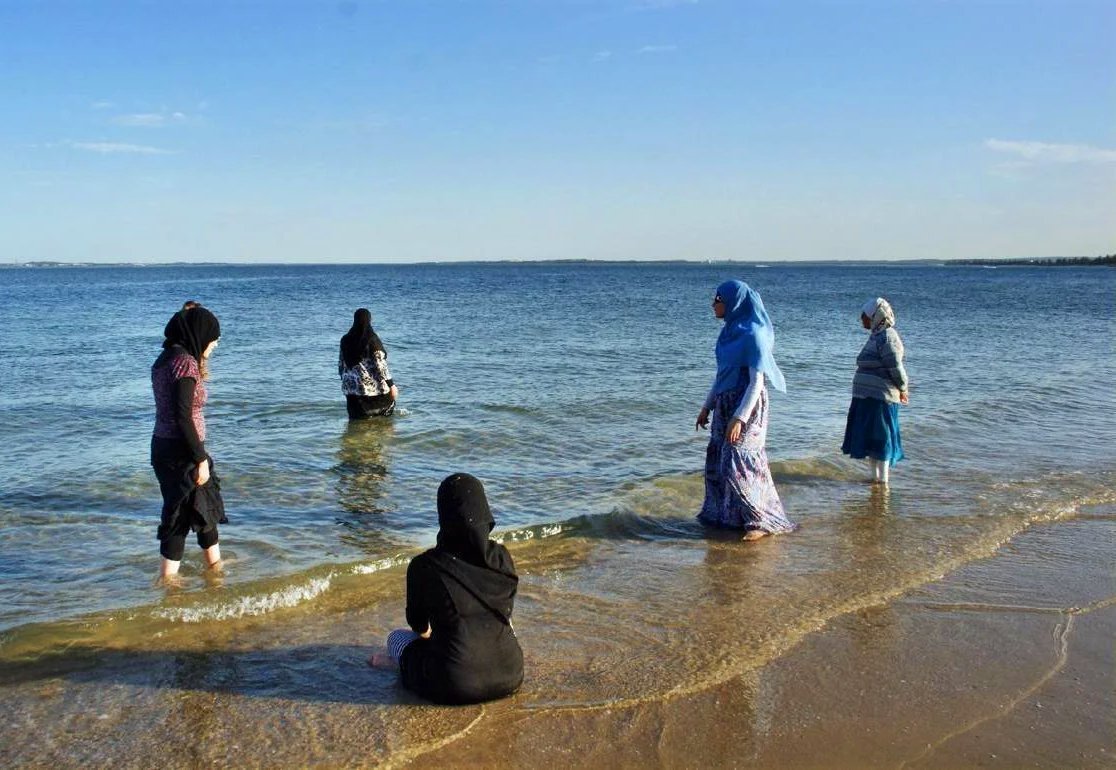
(399, 131)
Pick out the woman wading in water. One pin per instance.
(879, 386)
(739, 490)
(191, 491)
(365, 378)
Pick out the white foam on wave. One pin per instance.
(377, 566)
(248, 606)
(517, 535)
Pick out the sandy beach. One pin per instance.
(1005, 662)
(1020, 676)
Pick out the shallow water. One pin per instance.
(646, 643)
(571, 391)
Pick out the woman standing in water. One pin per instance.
(191, 491)
(365, 377)
(739, 490)
(879, 386)
(461, 647)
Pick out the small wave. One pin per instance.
(248, 606)
(509, 408)
(379, 566)
(246, 411)
(809, 469)
(529, 533)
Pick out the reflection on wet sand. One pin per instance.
(885, 686)
(864, 530)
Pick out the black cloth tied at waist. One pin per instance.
(186, 506)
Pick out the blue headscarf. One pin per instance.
(747, 339)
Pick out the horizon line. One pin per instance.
(725, 261)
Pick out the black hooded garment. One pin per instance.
(361, 341)
(463, 590)
(192, 329)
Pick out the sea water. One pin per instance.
(571, 390)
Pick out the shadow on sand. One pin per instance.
(322, 673)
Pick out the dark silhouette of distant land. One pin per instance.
(1109, 259)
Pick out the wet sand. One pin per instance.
(1021, 674)
(1007, 661)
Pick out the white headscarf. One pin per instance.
(880, 313)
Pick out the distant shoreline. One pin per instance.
(1107, 260)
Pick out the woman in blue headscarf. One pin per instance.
(739, 490)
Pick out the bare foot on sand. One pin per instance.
(753, 534)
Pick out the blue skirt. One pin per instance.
(872, 430)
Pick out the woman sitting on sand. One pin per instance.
(365, 378)
(739, 490)
(461, 648)
(879, 386)
(191, 491)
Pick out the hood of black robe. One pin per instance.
(361, 340)
(476, 564)
(192, 329)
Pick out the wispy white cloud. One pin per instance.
(102, 105)
(602, 56)
(1045, 152)
(652, 49)
(119, 148)
(149, 119)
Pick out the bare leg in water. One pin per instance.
(880, 470)
(168, 570)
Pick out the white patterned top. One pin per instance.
(370, 377)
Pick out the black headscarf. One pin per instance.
(361, 341)
(192, 329)
(480, 566)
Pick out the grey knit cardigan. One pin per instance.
(879, 368)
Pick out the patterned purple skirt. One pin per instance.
(739, 490)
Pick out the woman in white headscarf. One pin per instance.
(879, 386)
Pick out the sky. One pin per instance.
(414, 130)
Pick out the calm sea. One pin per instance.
(570, 389)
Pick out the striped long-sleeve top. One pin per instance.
(879, 368)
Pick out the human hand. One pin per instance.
(904, 397)
(426, 634)
(702, 419)
(202, 473)
(394, 392)
(734, 431)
